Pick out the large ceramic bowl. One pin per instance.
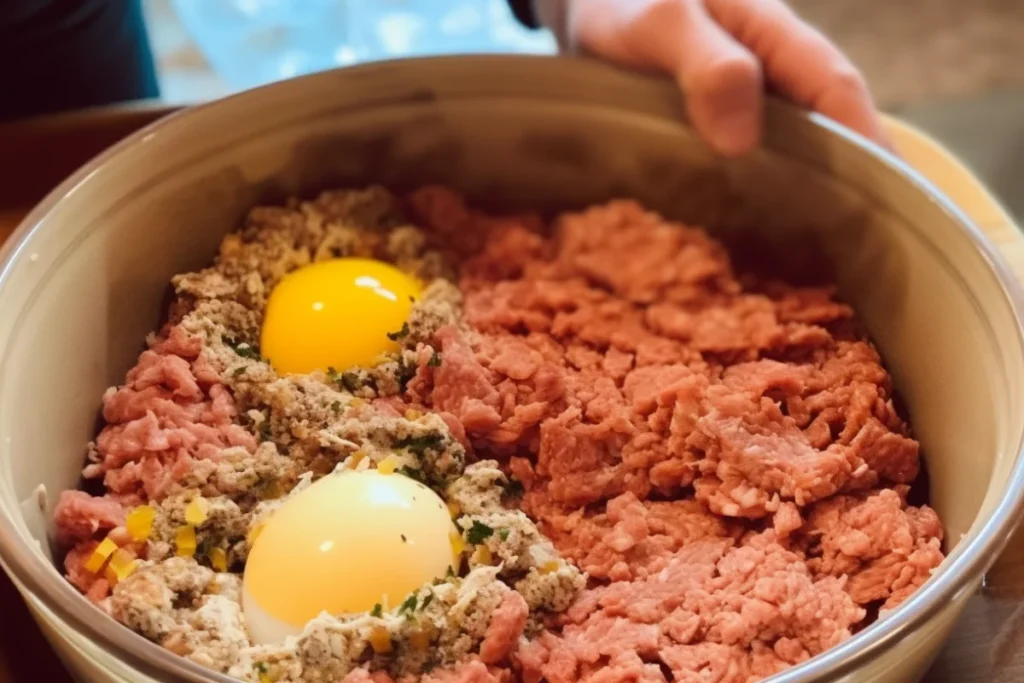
(83, 279)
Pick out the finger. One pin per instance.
(722, 82)
(721, 78)
(801, 63)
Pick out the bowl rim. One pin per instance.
(33, 574)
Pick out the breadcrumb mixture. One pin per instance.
(660, 472)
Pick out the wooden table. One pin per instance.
(986, 647)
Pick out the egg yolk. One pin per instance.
(337, 314)
(348, 542)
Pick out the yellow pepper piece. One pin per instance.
(458, 545)
(196, 512)
(380, 640)
(413, 414)
(120, 567)
(139, 522)
(388, 465)
(185, 541)
(357, 458)
(357, 403)
(483, 555)
(549, 567)
(219, 559)
(100, 555)
(265, 678)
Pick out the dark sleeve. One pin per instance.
(57, 55)
(523, 11)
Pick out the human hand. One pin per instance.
(722, 53)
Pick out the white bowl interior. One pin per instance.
(87, 285)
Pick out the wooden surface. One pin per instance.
(988, 643)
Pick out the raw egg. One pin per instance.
(350, 541)
(336, 313)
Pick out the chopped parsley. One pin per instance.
(265, 430)
(435, 360)
(514, 488)
(406, 371)
(260, 667)
(238, 371)
(401, 334)
(243, 349)
(332, 374)
(409, 605)
(412, 473)
(350, 381)
(449, 573)
(377, 611)
(427, 600)
(420, 444)
(479, 532)
(503, 534)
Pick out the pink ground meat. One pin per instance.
(171, 411)
(725, 462)
(723, 458)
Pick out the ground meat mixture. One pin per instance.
(662, 470)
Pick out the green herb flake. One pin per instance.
(332, 375)
(427, 600)
(336, 406)
(401, 334)
(503, 534)
(243, 349)
(238, 371)
(449, 573)
(377, 611)
(514, 489)
(350, 381)
(406, 371)
(479, 532)
(260, 667)
(435, 360)
(411, 472)
(409, 605)
(265, 430)
(420, 444)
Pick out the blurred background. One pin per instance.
(953, 67)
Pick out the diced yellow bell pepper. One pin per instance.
(357, 458)
(388, 465)
(380, 640)
(185, 541)
(120, 566)
(99, 555)
(413, 414)
(483, 555)
(458, 544)
(196, 512)
(219, 559)
(549, 567)
(357, 402)
(139, 522)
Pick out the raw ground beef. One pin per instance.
(725, 461)
(720, 455)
